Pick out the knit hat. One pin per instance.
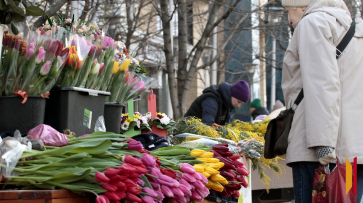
(256, 103)
(241, 91)
(296, 3)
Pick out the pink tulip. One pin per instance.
(156, 186)
(185, 189)
(147, 199)
(181, 199)
(198, 184)
(163, 182)
(148, 160)
(185, 183)
(165, 178)
(196, 196)
(40, 56)
(196, 176)
(186, 168)
(140, 182)
(30, 51)
(166, 191)
(92, 50)
(133, 80)
(135, 145)
(149, 191)
(176, 183)
(45, 68)
(177, 192)
(179, 176)
(138, 85)
(188, 177)
(160, 195)
(203, 179)
(102, 199)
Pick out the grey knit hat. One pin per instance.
(296, 3)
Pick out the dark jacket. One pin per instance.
(214, 105)
(260, 111)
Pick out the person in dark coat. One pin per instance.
(257, 109)
(217, 101)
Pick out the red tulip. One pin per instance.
(144, 151)
(120, 186)
(131, 160)
(169, 172)
(237, 163)
(109, 172)
(236, 194)
(129, 183)
(233, 186)
(220, 147)
(100, 177)
(244, 182)
(109, 187)
(127, 169)
(120, 194)
(102, 199)
(140, 170)
(134, 175)
(131, 197)
(112, 196)
(134, 190)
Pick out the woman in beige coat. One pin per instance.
(329, 120)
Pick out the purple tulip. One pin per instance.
(135, 145)
(40, 56)
(149, 191)
(166, 191)
(155, 172)
(160, 195)
(147, 199)
(181, 199)
(165, 178)
(177, 192)
(163, 182)
(156, 186)
(45, 68)
(140, 182)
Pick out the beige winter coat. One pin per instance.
(331, 113)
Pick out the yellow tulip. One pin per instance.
(217, 187)
(115, 67)
(211, 171)
(207, 175)
(208, 160)
(218, 178)
(125, 65)
(207, 155)
(198, 168)
(214, 166)
(196, 152)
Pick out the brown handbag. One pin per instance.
(278, 129)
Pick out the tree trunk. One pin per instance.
(52, 11)
(182, 45)
(168, 50)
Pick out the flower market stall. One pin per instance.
(67, 75)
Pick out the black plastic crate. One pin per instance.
(74, 108)
(22, 117)
(113, 112)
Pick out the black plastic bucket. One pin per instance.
(113, 112)
(74, 108)
(22, 117)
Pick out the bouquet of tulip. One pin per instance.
(31, 65)
(111, 166)
(140, 121)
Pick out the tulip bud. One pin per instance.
(109, 187)
(163, 182)
(211, 171)
(135, 145)
(220, 147)
(165, 178)
(186, 183)
(40, 55)
(177, 192)
(196, 176)
(92, 50)
(203, 179)
(148, 160)
(208, 160)
(195, 196)
(205, 174)
(244, 182)
(149, 191)
(102, 199)
(236, 194)
(166, 191)
(196, 152)
(127, 168)
(199, 168)
(129, 183)
(112, 196)
(156, 186)
(140, 170)
(131, 197)
(185, 189)
(188, 177)
(235, 157)
(109, 172)
(95, 69)
(131, 160)
(102, 65)
(243, 171)
(125, 65)
(140, 182)
(100, 177)
(169, 172)
(134, 190)
(147, 199)
(207, 155)
(186, 168)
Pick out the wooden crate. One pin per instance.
(42, 196)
